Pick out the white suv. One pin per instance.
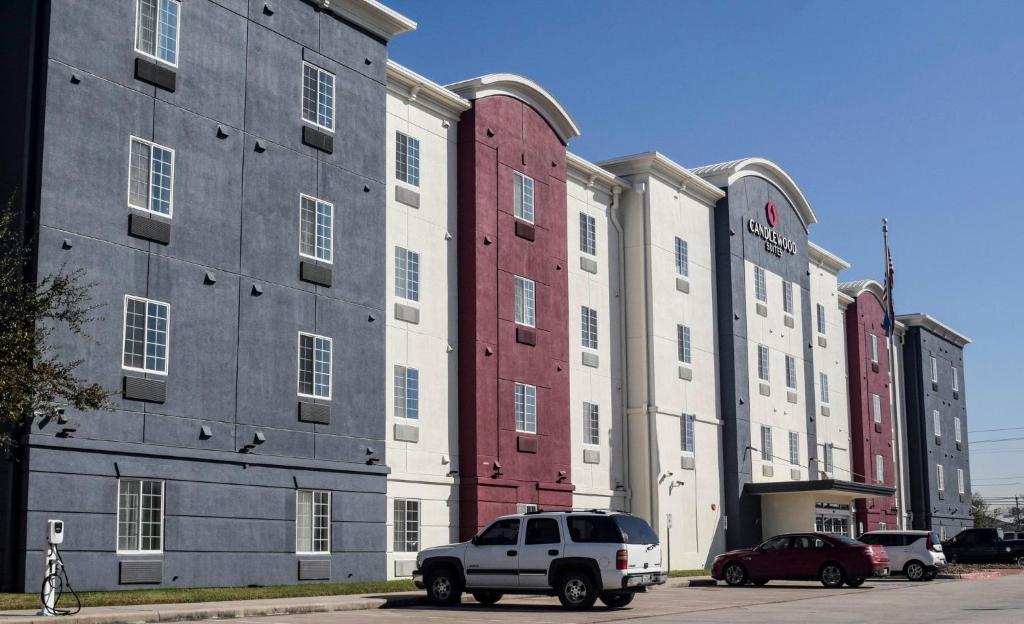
(578, 556)
(917, 554)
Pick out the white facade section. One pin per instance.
(422, 451)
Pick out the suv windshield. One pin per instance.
(636, 530)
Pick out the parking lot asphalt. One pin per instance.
(784, 602)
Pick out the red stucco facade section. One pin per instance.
(864, 318)
(498, 136)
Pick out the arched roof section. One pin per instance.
(854, 289)
(525, 90)
(723, 174)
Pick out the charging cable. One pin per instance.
(57, 582)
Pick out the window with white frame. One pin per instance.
(407, 274)
(879, 469)
(156, 29)
(956, 430)
(760, 285)
(823, 382)
(956, 379)
(588, 321)
(407, 159)
(316, 228)
(407, 525)
(522, 196)
(791, 372)
(876, 408)
(588, 234)
(942, 533)
(940, 477)
(934, 368)
(591, 424)
(407, 392)
(787, 297)
(140, 515)
(821, 319)
(762, 362)
(829, 458)
(767, 452)
(526, 408)
(937, 423)
(794, 448)
(312, 521)
(882, 526)
(686, 433)
(317, 96)
(683, 340)
(874, 349)
(960, 480)
(682, 257)
(146, 330)
(526, 303)
(151, 177)
(314, 366)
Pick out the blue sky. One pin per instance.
(909, 110)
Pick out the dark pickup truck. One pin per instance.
(983, 546)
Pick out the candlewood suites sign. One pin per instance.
(774, 243)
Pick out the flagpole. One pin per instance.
(901, 518)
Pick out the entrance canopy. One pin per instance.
(835, 487)
(824, 505)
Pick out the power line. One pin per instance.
(1013, 450)
(997, 440)
(995, 430)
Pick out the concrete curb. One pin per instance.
(982, 575)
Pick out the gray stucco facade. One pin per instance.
(231, 276)
(944, 511)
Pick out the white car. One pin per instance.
(917, 554)
(577, 556)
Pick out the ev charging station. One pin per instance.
(55, 579)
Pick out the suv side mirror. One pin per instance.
(473, 540)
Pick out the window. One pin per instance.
(760, 285)
(682, 257)
(937, 423)
(523, 196)
(876, 408)
(140, 515)
(821, 319)
(766, 443)
(687, 433)
(594, 530)
(314, 366)
(407, 525)
(312, 521)
(683, 339)
(151, 177)
(874, 349)
(591, 424)
(407, 274)
(829, 458)
(589, 327)
(934, 369)
(156, 30)
(316, 228)
(960, 480)
(883, 526)
(588, 234)
(500, 533)
(794, 448)
(526, 408)
(942, 533)
(791, 372)
(407, 392)
(823, 379)
(542, 531)
(407, 159)
(879, 469)
(526, 303)
(317, 96)
(940, 477)
(787, 297)
(145, 335)
(522, 508)
(762, 362)
(956, 430)
(956, 379)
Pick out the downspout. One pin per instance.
(623, 402)
(649, 399)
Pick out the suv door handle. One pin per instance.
(512, 553)
(552, 552)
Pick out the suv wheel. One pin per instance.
(487, 598)
(616, 601)
(832, 575)
(576, 591)
(735, 574)
(915, 571)
(444, 587)
(1020, 562)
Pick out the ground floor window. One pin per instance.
(832, 518)
(407, 525)
(140, 515)
(312, 521)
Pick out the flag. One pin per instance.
(890, 308)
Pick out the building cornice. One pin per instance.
(382, 21)
(919, 319)
(854, 289)
(591, 175)
(674, 174)
(412, 87)
(724, 174)
(821, 257)
(525, 90)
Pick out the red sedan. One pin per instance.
(832, 559)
